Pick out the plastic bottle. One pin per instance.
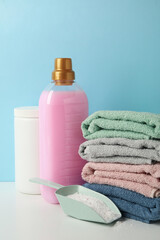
(26, 130)
(63, 105)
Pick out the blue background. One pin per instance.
(114, 45)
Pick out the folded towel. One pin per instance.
(144, 179)
(131, 204)
(121, 150)
(122, 124)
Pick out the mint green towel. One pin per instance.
(122, 124)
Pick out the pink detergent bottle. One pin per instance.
(63, 105)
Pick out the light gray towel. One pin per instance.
(121, 150)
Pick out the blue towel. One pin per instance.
(131, 204)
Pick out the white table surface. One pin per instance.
(29, 217)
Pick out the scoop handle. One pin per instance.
(46, 183)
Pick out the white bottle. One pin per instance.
(26, 128)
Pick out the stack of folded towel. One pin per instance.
(123, 154)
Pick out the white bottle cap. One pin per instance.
(26, 112)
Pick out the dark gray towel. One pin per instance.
(121, 150)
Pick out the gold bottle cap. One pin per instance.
(63, 73)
